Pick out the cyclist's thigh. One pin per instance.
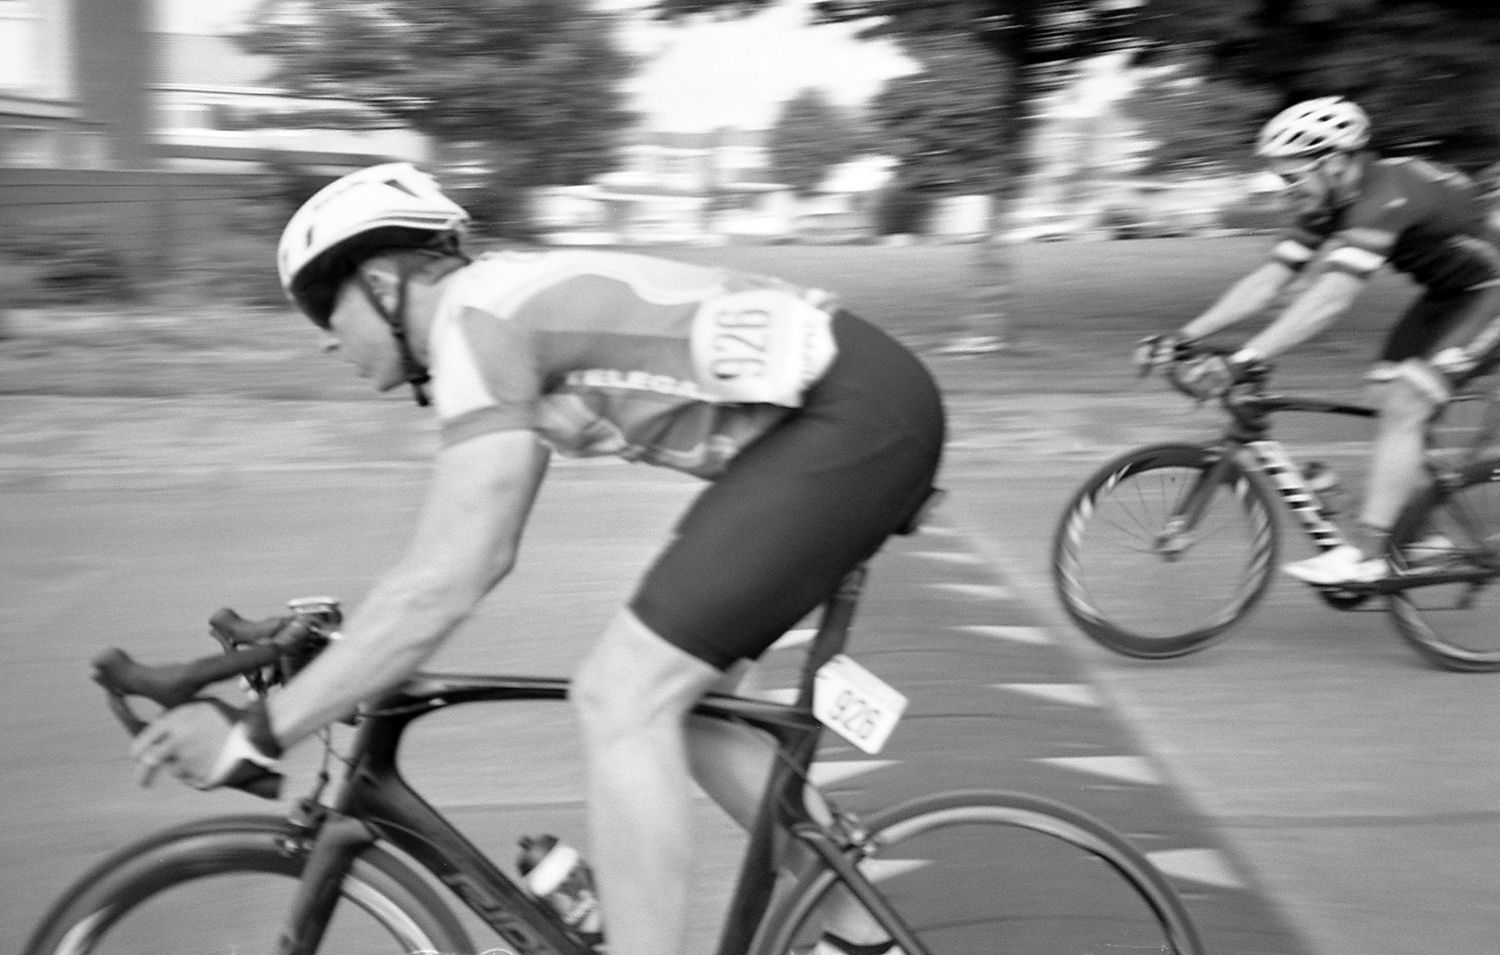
(1428, 321)
(801, 507)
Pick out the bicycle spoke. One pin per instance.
(1141, 586)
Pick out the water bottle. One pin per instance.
(555, 872)
(1326, 486)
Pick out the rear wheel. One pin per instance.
(224, 886)
(1142, 581)
(1451, 533)
(975, 873)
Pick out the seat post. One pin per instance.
(833, 630)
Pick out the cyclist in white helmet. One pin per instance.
(1356, 212)
(819, 435)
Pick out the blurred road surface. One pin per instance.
(1311, 785)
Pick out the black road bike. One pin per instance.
(373, 868)
(1165, 549)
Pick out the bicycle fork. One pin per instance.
(336, 842)
(847, 869)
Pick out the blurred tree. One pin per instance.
(536, 83)
(1425, 70)
(1197, 121)
(810, 137)
(1014, 49)
(945, 125)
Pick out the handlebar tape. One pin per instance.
(172, 684)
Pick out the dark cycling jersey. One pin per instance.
(1425, 219)
(607, 353)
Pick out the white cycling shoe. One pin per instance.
(1345, 564)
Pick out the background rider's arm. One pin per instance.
(466, 541)
(1246, 298)
(1320, 304)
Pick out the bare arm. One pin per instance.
(1247, 298)
(1329, 296)
(466, 542)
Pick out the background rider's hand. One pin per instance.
(188, 739)
(1154, 351)
(1208, 376)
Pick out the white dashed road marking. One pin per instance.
(1015, 634)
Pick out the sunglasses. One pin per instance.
(1293, 174)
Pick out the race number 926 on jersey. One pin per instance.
(763, 346)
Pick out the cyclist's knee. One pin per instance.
(1408, 392)
(633, 678)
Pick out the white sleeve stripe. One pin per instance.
(1293, 252)
(1360, 261)
(457, 385)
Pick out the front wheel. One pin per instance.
(973, 872)
(225, 885)
(1451, 534)
(1163, 550)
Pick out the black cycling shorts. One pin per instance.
(1435, 320)
(800, 507)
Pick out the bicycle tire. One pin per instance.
(973, 872)
(158, 895)
(1124, 592)
(1447, 623)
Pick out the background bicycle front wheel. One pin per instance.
(1453, 625)
(1140, 589)
(979, 873)
(224, 886)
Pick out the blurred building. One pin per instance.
(709, 186)
(139, 130)
(141, 84)
(67, 69)
(217, 110)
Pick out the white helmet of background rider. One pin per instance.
(1314, 127)
(394, 205)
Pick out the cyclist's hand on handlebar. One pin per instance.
(186, 739)
(204, 744)
(1210, 375)
(1154, 351)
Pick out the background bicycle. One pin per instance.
(956, 872)
(1167, 548)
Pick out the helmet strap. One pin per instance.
(414, 371)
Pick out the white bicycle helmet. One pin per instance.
(393, 205)
(1312, 127)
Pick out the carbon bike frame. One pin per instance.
(1249, 430)
(1248, 435)
(376, 802)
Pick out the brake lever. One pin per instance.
(115, 670)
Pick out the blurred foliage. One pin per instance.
(996, 56)
(811, 136)
(900, 210)
(1425, 70)
(946, 124)
(542, 79)
(67, 267)
(1195, 120)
